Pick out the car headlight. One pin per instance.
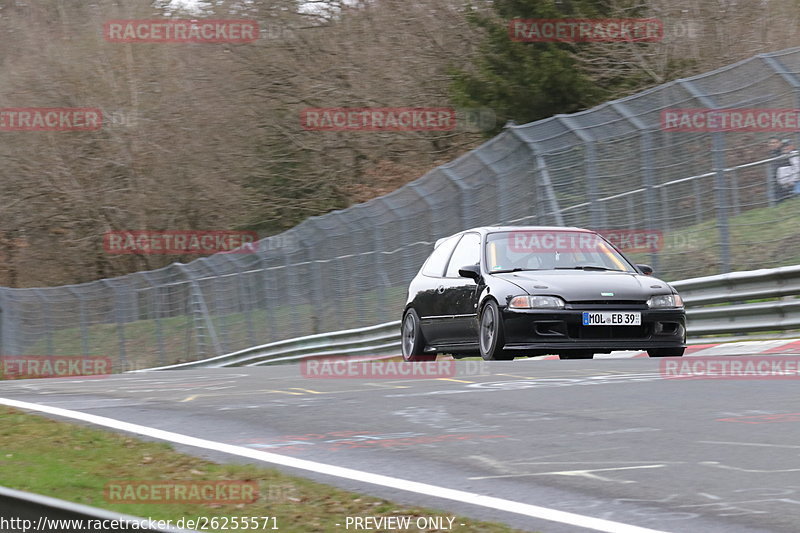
(536, 302)
(664, 301)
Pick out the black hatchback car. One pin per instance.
(520, 291)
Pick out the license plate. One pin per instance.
(618, 318)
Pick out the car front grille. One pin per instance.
(595, 305)
(609, 332)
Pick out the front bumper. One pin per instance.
(554, 330)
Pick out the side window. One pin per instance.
(434, 266)
(468, 252)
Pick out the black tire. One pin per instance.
(576, 355)
(666, 352)
(491, 336)
(411, 339)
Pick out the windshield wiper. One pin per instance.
(590, 267)
(518, 269)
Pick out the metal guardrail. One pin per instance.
(383, 339)
(723, 304)
(25, 511)
(715, 305)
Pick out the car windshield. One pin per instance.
(511, 251)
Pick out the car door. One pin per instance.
(460, 294)
(428, 300)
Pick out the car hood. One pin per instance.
(575, 285)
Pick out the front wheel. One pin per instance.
(411, 339)
(666, 352)
(491, 336)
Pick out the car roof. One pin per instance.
(483, 230)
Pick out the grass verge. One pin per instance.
(75, 463)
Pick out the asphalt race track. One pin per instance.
(604, 438)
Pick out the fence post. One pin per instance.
(156, 316)
(721, 197)
(462, 194)
(500, 189)
(597, 211)
(541, 177)
(6, 332)
(720, 185)
(547, 185)
(268, 276)
(82, 320)
(792, 80)
(48, 330)
(119, 307)
(646, 165)
(770, 185)
(291, 274)
(201, 317)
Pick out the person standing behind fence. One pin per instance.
(788, 174)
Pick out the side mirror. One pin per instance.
(647, 270)
(470, 271)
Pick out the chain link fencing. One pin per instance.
(710, 195)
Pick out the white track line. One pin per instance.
(534, 511)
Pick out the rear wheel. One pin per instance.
(666, 352)
(411, 339)
(491, 336)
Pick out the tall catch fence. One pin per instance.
(612, 167)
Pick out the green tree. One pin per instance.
(524, 81)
